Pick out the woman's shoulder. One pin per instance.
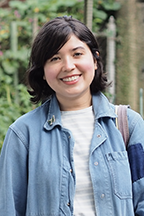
(29, 124)
(127, 113)
(135, 121)
(133, 116)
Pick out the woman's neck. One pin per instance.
(71, 104)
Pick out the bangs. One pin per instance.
(56, 39)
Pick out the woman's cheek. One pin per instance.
(49, 74)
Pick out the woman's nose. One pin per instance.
(68, 64)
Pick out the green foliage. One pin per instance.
(9, 110)
(15, 43)
(102, 10)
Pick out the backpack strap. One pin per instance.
(122, 122)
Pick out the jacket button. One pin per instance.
(96, 163)
(68, 204)
(71, 170)
(102, 196)
(98, 136)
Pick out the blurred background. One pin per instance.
(117, 24)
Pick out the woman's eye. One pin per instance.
(78, 54)
(54, 59)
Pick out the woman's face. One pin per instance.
(70, 71)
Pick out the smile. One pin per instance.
(69, 79)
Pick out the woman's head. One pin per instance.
(50, 39)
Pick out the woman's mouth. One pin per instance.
(69, 79)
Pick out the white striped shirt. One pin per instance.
(81, 124)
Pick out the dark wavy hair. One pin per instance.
(50, 39)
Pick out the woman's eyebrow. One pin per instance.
(73, 49)
(79, 47)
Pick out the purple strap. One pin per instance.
(123, 122)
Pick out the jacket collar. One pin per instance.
(101, 106)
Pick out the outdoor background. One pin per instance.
(117, 24)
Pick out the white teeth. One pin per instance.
(70, 78)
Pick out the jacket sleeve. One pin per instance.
(13, 175)
(136, 159)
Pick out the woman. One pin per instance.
(67, 157)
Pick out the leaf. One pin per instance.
(112, 6)
(4, 12)
(8, 80)
(19, 5)
(100, 14)
(10, 67)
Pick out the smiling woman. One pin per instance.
(70, 72)
(48, 50)
(67, 156)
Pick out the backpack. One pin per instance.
(122, 122)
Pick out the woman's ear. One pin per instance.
(97, 53)
(95, 64)
(44, 77)
(95, 61)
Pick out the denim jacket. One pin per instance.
(37, 173)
